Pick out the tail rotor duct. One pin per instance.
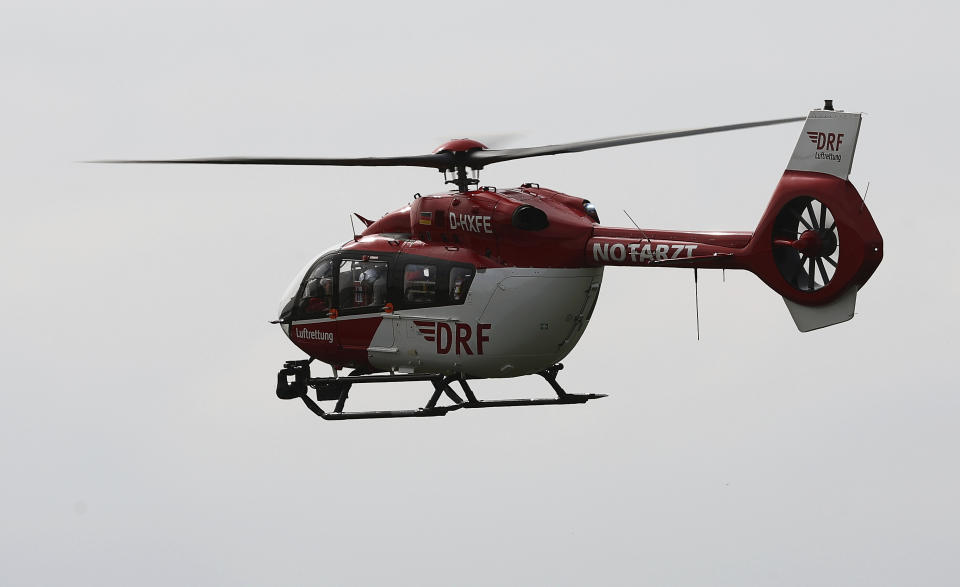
(806, 244)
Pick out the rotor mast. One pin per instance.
(461, 178)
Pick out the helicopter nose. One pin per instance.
(286, 310)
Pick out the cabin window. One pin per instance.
(363, 284)
(420, 284)
(460, 279)
(317, 292)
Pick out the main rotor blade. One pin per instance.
(437, 160)
(481, 158)
(475, 159)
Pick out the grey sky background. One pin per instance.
(140, 439)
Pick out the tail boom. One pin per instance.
(639, 247)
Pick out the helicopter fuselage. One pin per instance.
(514, 321)
(440, 287)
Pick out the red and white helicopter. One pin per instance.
(480, 282)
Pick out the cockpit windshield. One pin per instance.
(286, 301)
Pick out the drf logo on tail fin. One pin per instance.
(457, 337)
(826, 141)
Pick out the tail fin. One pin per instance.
(817, 243)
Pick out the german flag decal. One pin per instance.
(426, 218)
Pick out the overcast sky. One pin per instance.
(140, 438)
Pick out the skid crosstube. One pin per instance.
(338, 389)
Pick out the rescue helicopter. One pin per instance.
(479, 282)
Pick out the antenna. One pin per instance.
(696, 300)
(864, 200)
(353, 229)
(638, 228)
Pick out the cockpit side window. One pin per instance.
(424, 282)
(420, 284)
(363, 284)
(317, 298)
(460, 280)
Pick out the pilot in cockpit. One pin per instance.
(317, 291)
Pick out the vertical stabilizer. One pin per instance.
(827, 143)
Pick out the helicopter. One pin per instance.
(479, 282)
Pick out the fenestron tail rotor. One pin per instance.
(806, 243)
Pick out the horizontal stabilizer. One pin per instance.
(809, 318)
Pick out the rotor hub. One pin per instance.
(816, 243)
(809, 243)
(828, 242)
(460, 146)
(456, 172)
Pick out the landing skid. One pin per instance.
(338, 389)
